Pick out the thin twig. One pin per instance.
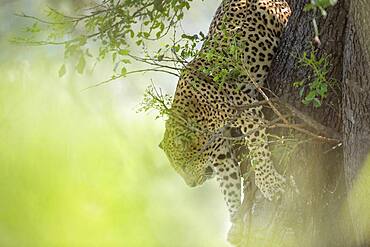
(128, 73)
(311, 122)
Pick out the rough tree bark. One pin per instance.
(323, 173)
(356, 100)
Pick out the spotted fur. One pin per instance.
(203, 113)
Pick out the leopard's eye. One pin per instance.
(178, 142)
(182, 141)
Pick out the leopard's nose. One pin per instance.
(191, 183)
(209, 170)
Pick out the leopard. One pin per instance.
(208, 120)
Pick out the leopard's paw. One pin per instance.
(271, 185)
(235, 234)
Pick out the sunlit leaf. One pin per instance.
(123, 71)
(62, 70)
(80, 67)
(123, 52)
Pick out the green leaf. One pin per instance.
(126, 61)
(311, 95)
(309, 7)
(298, 84)
(123, 52)
(34, 28)
(323, 11)
(82, 40)
(132, 33)
(160, 57)
(62, 70)
(81, 65)
(326, 3)
(316, 102)
(323, 90)
(123, 71)
(114, 57)
(158, 34)
(180, 16)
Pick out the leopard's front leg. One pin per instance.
(267, 179)
(229, 178)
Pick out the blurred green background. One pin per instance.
(83, 168)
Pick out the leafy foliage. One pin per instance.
(155, 99)
(112, 29)
(224, 65)
(315, 88)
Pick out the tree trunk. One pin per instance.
(323, 173)
(356, 103)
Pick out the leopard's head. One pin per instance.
(186, 152)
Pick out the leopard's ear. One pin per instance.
(161, 145)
